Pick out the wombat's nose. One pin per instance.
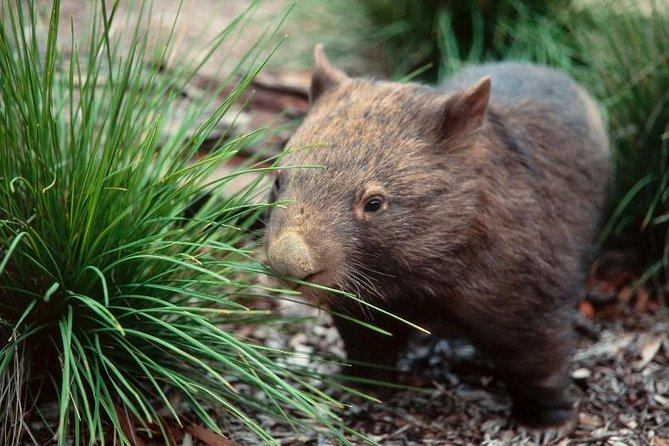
(289, 256)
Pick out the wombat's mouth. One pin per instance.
(294, 283)
(316, 278)
(310, 285)
(310, 277)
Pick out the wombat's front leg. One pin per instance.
(363, 345)
(536, 373)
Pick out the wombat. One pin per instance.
(468, 208)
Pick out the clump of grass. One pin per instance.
(513, 30)
(431, 38)
(405, 31)
(110, 300)
(627, 68)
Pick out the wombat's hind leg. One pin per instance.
(536, 373)
(538, 407)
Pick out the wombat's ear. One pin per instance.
(325, 76)
(466, 110)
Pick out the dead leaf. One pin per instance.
(209, 437)
(626, 294)
(642, 299)
(588, 420)
(661, 400)
(586, 309)
(648, 352)
(128, 426)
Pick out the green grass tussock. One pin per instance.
(110, 300)
(633, 82)
(434, 37)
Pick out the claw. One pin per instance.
(549, 435)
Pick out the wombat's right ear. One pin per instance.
(325, 76)
(466, 110)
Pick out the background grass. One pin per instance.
(618, 49)
(111, 300)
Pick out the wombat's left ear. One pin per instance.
(466, 110)
(325, 76)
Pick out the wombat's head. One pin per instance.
(383, 184)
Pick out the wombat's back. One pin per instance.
(518, 83)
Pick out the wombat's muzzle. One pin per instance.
(289, 256)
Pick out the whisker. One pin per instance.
(373, 270)
(363, 284)
(371, 281)
(358, 291)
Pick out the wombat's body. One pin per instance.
(467, 208)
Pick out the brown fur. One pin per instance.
(491, 204)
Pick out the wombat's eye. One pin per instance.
(277, 183)
(374, 204)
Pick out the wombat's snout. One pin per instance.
(289, 255)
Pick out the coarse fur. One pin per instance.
(490, 187)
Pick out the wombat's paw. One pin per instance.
(547, 426)
(545, 436)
